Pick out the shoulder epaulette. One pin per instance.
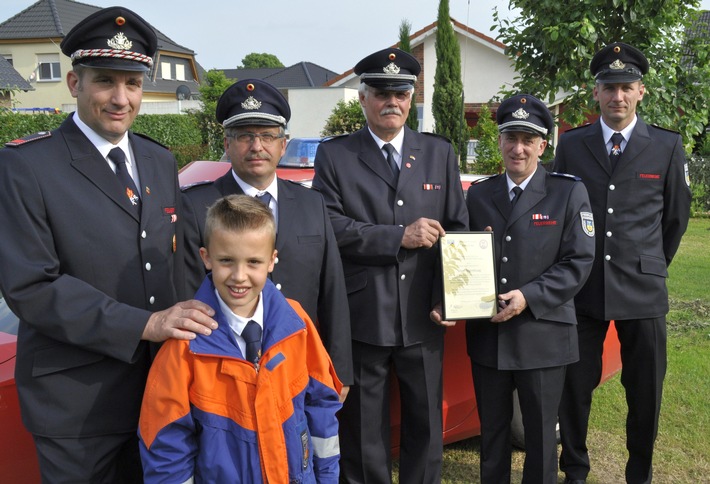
(27, 139)
(565, 175)
(578, 127)
(481, 180)
(185, 188)
(437, 136)
(151, 139)
(331, 138)
(665, 129)
(301, 183)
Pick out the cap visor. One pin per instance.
(389, 86)
(522, 129)
(253, 122)
(114, 64)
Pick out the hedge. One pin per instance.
(180, 133)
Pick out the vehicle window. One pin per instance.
(300, 153)
(8, 321)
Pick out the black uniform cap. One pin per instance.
(389, 70)
(112, 38)
(618, 62)
(524, 112)
(252, 102)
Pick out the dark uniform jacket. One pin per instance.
(83, 274)
(544, 247)
(641, 211)
(308, 267)
(369, 212)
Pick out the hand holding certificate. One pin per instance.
(468, 268)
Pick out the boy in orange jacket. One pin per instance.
(236, 406)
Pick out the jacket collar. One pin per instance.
(280, 321)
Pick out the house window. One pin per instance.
(48, 67)
(179, 72)
(165, 70)
(8, 58)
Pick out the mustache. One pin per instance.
(262, 155)
(395, 110)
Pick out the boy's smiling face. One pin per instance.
(240, 262)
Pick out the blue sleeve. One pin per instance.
(321, 407)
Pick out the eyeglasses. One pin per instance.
(267, 139)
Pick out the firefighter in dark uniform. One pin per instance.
(89, 214)
(391, 192)
(637, 179)
(544, 245)
(308, 267)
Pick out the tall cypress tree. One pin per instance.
(405, 29)
(447, 104)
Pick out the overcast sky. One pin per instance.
(331, 33)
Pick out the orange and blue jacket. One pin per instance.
(211, 416)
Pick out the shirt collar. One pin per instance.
(237, 323)
(626, 132)
(511, 183)
(397, 142)
(103, 145)
(272, 189)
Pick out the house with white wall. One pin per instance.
(484, 66)
(29, 41)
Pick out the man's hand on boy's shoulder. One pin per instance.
(182, 321)
(344, 393)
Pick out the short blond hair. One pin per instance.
(239, 213)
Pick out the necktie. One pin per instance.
(390, 159)
(265, 198)
(517, 191)
(615, 152)
(119, 158)
(252, 336)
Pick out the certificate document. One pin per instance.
(469, 279)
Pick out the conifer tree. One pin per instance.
(405, 29)
(447, 103)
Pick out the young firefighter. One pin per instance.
(209, 413)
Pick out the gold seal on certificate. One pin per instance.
(468, 269)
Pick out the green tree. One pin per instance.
(347, 117)
(488, 157)
(256, 61)
(447, 102)
(405, 29)
(214, 85)
(552, 44)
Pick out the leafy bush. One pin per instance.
(489, 160)
(212, 132)
(13, 125)
(699, 172)
(180, 133)
(347, 117)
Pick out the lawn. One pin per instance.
(684, 435)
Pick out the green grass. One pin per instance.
(681, 453)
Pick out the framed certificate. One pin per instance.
(469, 275)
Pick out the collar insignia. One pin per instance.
(251, 103)
(391, 69)
(521, 114)
(120, 42)
(617, 65)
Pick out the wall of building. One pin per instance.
(47, 94)
(311, 107)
